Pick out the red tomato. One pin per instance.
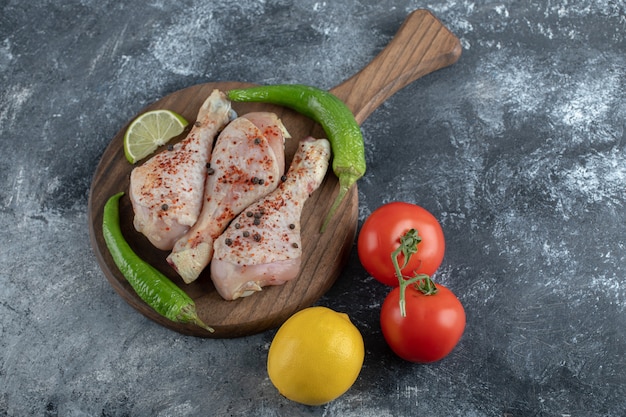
(432, 327)
(380, 236)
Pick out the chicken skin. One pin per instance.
(247, 163)
(262, 246)
(166, 191)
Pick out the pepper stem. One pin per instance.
(346, 181)
(408, 247)
(188, 314)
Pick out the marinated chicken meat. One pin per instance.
(167, 190)
(247, 163)
(262, 246)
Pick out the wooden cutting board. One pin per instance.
(422, 45)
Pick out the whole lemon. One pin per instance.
(316, 356)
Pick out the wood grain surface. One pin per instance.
(421, 45)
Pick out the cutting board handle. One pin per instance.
(421, 45)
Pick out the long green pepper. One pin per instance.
(165, 297)
(344, 133)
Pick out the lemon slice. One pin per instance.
(151, 130)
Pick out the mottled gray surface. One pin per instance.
(519, 149)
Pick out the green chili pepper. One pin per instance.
(344, 133)
(165, 297)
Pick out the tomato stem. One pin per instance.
(408, 247)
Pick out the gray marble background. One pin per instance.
(519, 149)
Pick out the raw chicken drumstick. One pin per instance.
(247, 163)
(166, 191)
(262, 246)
